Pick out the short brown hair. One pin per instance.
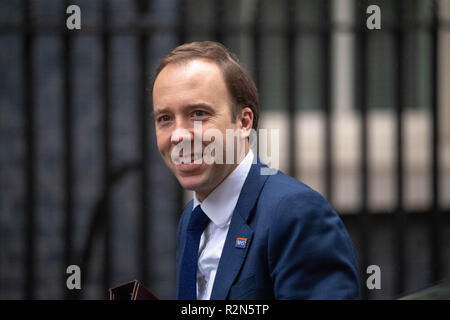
(240, 85)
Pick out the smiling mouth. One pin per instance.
(188, 167)
(193, 159)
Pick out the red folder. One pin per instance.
(131, 291)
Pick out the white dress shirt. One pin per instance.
(218, 206)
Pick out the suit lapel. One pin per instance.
(233, 256)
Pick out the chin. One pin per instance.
(194, 183)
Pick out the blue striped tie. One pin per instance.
(187, 283)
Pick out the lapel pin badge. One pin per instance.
(241, 243)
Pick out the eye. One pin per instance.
(199, 113)
(163, 118)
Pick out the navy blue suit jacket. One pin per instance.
(297, 246)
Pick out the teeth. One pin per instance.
(192, 158)
(196, 157)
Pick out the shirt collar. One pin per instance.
(220, 203)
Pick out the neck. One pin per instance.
(202, 194)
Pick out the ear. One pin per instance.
(245, 119)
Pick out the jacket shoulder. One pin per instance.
(283, 188)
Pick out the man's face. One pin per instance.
(184, 93)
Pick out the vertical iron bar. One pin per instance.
(30, 154)
(361, 69)
(106, 135)
(291, 85)
(436, 268)
(327, 82)
(144, 266)
(67, 149)
(219, 21)
(182, 23)
(400, 220)
(257, 37)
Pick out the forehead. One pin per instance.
(180, 83)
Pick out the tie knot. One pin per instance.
(199, 220)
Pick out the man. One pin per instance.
(244, 235)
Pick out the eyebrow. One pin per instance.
(189, 106)
(158, 112)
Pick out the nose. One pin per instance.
(181, 133)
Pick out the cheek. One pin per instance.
(162, 141)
